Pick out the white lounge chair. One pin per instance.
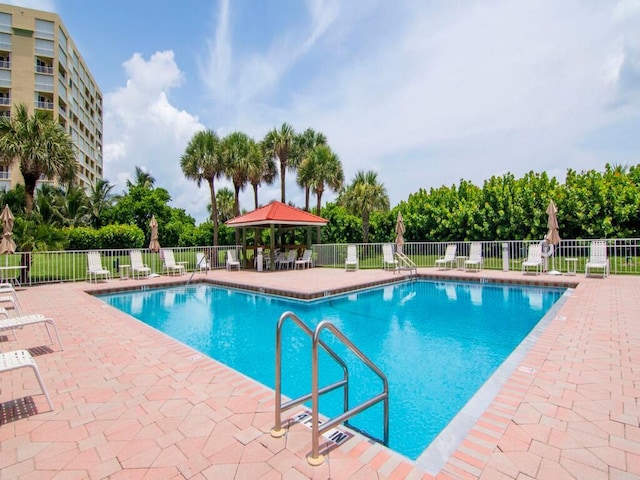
(13, 300)
(21, 359)
(202, 262)
(287, 261)
(449, 257)
(534, 259)
(388, 260)
(305, 260)
(138, 267)
(12, 323)
(7, 288)
(232, 260)
(597, 259)
(475, 257)
(170, 265)
(95, 268)
(352, 258)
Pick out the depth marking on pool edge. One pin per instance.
(529, 370)
(334, 435)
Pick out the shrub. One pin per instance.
(82, 238)
(120, 236)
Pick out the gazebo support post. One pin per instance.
(244, 247)
(272, 258)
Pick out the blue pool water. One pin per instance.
(437, 342)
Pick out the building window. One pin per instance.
(44, 47)
(5, 172)
(44, 82)
(5, 60)
(62, 39)
(5, 41)
(44, 29)
(5, 22)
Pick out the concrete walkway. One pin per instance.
(132, 403)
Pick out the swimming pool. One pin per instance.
(437, 342)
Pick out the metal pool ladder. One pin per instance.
(318, 429)
(405, 263)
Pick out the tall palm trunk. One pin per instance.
(283, 171)
(214, 211)
(29, 189)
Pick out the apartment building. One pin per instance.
(41, 67)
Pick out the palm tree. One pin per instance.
(262, 168)
(100, 199)
(280, 144)
(237, 150)
(74, 207)
(40, 145)
(202, 160)
(226, 206)
(363, 196)
(304, 145)
(143, 179)
(327, 172)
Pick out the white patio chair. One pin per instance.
(202, 262)
(170, 264)
(12, 323)
(534, 259)
(352, 258)
(288, 260)
(449, 257)
(305, 260)
(138, 267)
(232, 260)
(388, 260)
(22, 359)
(597, 259)
(475, 257)
(95, 268)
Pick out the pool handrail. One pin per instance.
(277, 431)
(317, 429)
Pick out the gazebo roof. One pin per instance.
(277, 214)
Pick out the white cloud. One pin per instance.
(449, 92)
(46, 5)
(143, 128)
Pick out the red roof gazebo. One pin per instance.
(277, 215)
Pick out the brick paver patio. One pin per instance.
(132, 403)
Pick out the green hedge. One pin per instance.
(108, 237)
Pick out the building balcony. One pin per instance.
(47, 105)
(5, 101)
(44, 69)
(5, 63)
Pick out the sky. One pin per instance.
(423, 92)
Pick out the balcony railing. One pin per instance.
(48, 105)
(5, 64)
(44, 69)
(5, 101)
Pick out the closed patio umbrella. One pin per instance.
(399, 232)
(552, 237)
(7, 245)
(154, 245)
